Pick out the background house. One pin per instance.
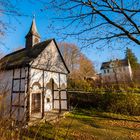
(116, 71)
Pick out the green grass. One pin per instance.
(90, 124)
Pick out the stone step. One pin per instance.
(50, 116)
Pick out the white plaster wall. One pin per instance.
(56, 104)
(48, 105)
(63, 81)
(50, 59)
(16, 85)
(6, 79)
(64, 104)
(56, 94)
(51, 75)
(63, 95)
(5, 86)
(22, 116)
(36, 76)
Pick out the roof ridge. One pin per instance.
(14, 52)
(42, 42)
(114, 60)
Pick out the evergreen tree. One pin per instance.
(132, 58)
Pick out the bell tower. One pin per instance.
(32, 37)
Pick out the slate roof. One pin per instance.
(23, 57)
(117, 63)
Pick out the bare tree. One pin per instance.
(92, 21)
(8, 9)
(71, 54)
(79, 65)
(86, 68)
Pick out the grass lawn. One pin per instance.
(84, 124)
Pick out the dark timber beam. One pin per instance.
(43, 94)
(52, 93)
(12, 94)
(28, 96)
(59, 95)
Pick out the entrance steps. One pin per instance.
(50, 116)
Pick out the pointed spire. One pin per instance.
(33, 29)
(33, 36)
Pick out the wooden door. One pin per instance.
(36, 102)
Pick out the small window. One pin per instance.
(107, 71)
(104, 71)
(48, 100)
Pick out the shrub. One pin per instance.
(76, 84)
(123, 103)
(128, 104)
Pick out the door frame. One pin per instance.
(39, 102)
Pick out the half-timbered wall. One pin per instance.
(47, 82)
(18, 94)
(16, 82)
(60, 92)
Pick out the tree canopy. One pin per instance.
(132, 58)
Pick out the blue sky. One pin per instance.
(20, 26)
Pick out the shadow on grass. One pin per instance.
(91, 123)
(115, 118)
(39, 132)
(95, 113)
(85, 118)
(133, 129)
(89, 119)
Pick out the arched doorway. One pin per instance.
(48, 100)
(36, 98)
